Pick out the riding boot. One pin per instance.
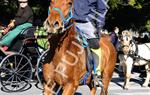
(97, 61)
(94, 44)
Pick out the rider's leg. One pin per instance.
(10, 36)
(94, 43)
(89, 32)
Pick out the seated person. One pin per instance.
(22, 20)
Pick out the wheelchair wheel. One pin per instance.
(15, 72)
(39, 68)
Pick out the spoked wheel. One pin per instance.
(39, 68)
(15, 72)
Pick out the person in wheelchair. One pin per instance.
(23, 19)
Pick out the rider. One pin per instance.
(89, 16)
(86, 13)
(114, 36)
(22, 20)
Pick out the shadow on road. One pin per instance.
(25, 89)
(119, 79)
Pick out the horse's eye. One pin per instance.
(70, 3)
(127, 38)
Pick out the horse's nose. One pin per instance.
(56, 25)
(46, 24)
(60, 30)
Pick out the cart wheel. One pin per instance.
(39, 68)
(15, 72)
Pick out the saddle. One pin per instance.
(93, 60)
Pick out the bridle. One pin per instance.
(65, 21)
(126, 38)
(131, 53)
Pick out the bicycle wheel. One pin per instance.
(15, 72)
(39, 68)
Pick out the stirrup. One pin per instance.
(97, 81)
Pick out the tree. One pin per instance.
(9, 8)
(128, 14)
(125, 14)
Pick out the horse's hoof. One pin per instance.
(144, 85)
(125, 88)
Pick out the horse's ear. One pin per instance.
(130, 34)
(124, 32)
(53, 1)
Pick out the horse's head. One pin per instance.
(126, 39)
(60, 15)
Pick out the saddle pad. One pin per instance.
(97, 56)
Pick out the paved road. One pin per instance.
(115, 88)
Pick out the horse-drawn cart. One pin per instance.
(23, 60)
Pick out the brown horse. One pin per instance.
(66, 61)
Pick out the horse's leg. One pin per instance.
(128, 65)
(107, 76)
(121, 63)
(47, 90)
(124, 68)
(147, 76)
(92, 89)
(48, 75)
(69, 89)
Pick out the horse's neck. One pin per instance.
(57, 40)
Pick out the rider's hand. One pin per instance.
(98, 32)
(4, 31)
(11, 24)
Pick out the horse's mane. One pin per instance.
(56, 41)
(106, 36)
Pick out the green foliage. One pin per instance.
(148, 25)
(114, 4)
(42, 42)
(123, 13)
(132, 2)
(128, 14)
(9, 8)
(135, 4)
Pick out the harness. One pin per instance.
(65, 20)
(134, 54)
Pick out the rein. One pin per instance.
(134, 53)
(131, 52)
(65, 20)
